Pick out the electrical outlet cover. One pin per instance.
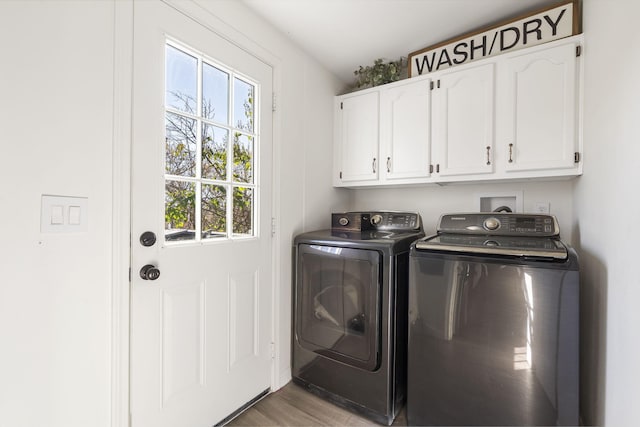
(541, 207)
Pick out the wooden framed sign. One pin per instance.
(536, 28)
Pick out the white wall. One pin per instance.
(607, 208)
(56, 86)
(433, 200)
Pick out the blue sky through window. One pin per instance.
(181, 80)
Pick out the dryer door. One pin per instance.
(337, 312)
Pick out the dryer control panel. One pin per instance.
(507, 224)
(382, 220)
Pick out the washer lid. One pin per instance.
(534, 247)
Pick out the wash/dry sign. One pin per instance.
(540, 27)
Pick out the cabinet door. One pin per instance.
(539, 111)
(405, 130)
(463, 111)
(357, 137)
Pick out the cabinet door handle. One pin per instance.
(488, 155)
(373, 166)
(388, 164)
(437, 167)
(510, 153)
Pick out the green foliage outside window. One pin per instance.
(181, 159)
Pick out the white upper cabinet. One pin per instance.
(405, 133)
(513, 116)
(356, 138)
(463, 126)
(538, 112)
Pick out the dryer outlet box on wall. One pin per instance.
(489, 202)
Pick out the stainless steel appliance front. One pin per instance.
(493, 326)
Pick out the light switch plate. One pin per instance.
(63, 214)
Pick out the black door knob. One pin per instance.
(149, 272)
(148, 238)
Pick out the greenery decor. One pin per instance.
(379, 73)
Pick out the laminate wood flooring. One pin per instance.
(294, 406)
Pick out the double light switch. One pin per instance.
(63, 214)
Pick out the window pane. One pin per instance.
(242, 211)
(181, 148)
(215, 141)
(210, 150)
(243, 105)
(181, 80)
(242, 158)
(180, 210)
(215, 94)
(214, 211)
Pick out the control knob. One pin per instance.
(491, 223)
(343, 221)
(376, 219)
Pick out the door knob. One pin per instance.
(149, 272)
(148, 238)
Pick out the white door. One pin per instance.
(538, 120)
(357, 137)
(405, 130)
(201, 183)
(463, 105)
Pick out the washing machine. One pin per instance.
(350, 311)
(493, 323)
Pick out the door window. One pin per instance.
(210, 149)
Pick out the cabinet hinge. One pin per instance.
(273, 350)
(576, 157)
(430, 168)
(273, 101)
(273, 226)
(578, 50)
(341, 106)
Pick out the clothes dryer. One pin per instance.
(350, 311)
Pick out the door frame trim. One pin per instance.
(121, 211)
(121, 192)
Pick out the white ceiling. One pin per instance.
(344, 34)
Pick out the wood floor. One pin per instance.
(294, 406)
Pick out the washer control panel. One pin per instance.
(387, 221)
(504, 224)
